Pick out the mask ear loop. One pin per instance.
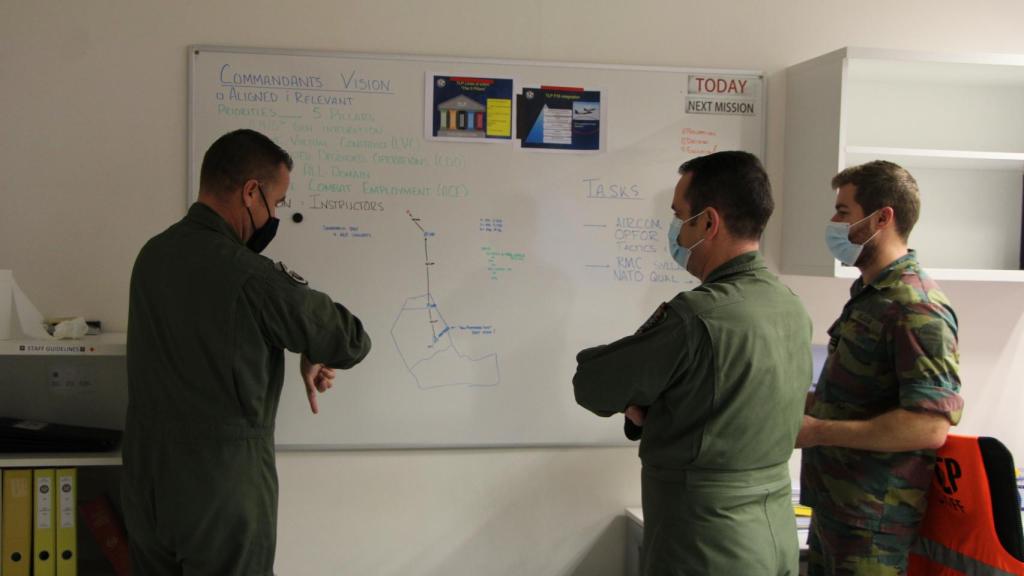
(864, 243)
(264, 196)
(249, 210)
(708, 227)
(251, 219)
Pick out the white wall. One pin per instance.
(92, 151)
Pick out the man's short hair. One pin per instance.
(881, 183)
(735, 184)
(239, 156)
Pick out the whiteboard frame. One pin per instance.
(192, 192)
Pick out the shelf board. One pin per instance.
(910, 58)
(988, 70)
(107, 344)
(942, 159)
(59, 460)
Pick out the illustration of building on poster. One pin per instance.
(559, 118)
(469, 108)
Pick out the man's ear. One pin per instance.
(250, 190)
(714, 222)
(887, 216)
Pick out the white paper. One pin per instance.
(72, 329)
(19, 318)
(6, 304)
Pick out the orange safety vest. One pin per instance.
(958, 533)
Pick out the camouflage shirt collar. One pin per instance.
(890, 275)
(205, 216)
(745, 262)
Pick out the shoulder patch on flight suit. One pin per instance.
(291, 274)
(655, 318)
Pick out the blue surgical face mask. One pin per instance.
(837, 236)
(681, 254)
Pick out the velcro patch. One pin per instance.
(291, 274)
(655, 318)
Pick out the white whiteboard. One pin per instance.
(531, 255)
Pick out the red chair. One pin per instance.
(973, 522)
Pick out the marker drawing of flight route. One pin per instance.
(424, 340)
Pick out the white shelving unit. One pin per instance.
(30, 389)
(956, 122)
(60, 460)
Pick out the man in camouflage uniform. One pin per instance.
(887, 394)
(714, 385)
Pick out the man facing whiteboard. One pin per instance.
(208, 321)
(713, 384)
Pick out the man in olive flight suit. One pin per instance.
(209, 320)
(714, 382)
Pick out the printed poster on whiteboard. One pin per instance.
(469, 108)
(560, 118)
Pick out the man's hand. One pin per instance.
(636, 415)
(318, 379)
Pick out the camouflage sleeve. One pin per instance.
(927, 359)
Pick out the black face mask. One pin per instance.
(261, 237)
